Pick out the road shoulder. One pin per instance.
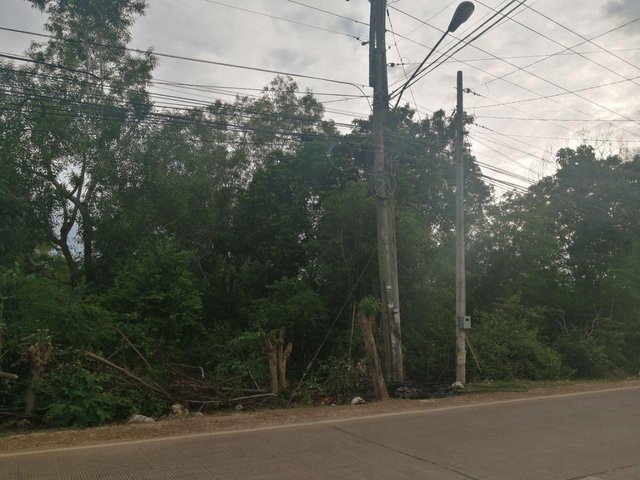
(239, 421)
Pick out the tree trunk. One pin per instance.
(38, 356)
(283, 357)
(366, 327)
(63, 243)
(87, 241)
(272, 361)
(277, 357)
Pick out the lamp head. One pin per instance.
(461, 15)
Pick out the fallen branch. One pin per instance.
(132, 346)
(252, 397)
(243, 390)
(146, 383)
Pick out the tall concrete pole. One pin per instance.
(384, 195)
(461, 289)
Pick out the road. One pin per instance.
(590, 436)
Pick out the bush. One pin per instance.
(72, 395)
(341, 378)
(509, 346)
(583, 357)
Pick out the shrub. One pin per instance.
(509, 346)
(583, 357)
(72, 395)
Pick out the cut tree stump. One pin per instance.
(365, 322)
(37, 355)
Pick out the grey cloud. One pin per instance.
(623, 8)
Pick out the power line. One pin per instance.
(610, 52)
(512, 137)
(289, 20)
(328, 12)
(76, 108)
(395, 42)
(21, 58)
(546, 97)
(537, 76)
(606, 120)
(195, 60)
(190, 100)
(418, 75)
(518, 69)
(512, 186)
(563, 46)
(505, 156)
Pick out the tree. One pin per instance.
(82, 101)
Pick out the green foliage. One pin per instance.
(370, 306)
(158, 299)
(189, 235)
(78, 397)
(73, 394)
(340, 379)
(508, 345)
(292, 304)
(582, 357)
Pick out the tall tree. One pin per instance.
(86, 96)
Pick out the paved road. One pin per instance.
(594, 436)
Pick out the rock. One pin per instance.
(24, 424)
(178, 410)
(358, 401)
(140, 419)
(407, 392)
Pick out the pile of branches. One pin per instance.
(190, 386)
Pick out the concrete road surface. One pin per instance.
(590, 436)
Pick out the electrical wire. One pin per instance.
(465, 41)
(537, 76)
(195, 60)
(328, 12)
(331, 327)
(564, 46)
(546, 97)
(395, 42)
(588, 40)
(364, 41)
(518, 69)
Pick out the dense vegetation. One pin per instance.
(163, 237)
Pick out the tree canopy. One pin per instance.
(162, 236)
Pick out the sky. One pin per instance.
(582, 55)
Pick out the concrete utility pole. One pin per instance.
(461, 289)
(384, 195)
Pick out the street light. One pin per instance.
(461, 15)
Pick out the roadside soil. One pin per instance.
(235, 421)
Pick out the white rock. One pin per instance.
(179, 410)
(140, 419)
(357, 401)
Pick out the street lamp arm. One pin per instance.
(416, 72)
(461, 15)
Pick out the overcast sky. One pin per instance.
(521, 137)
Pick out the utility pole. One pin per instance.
(462, 321)
(384, 195)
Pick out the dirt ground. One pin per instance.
(221, 422)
